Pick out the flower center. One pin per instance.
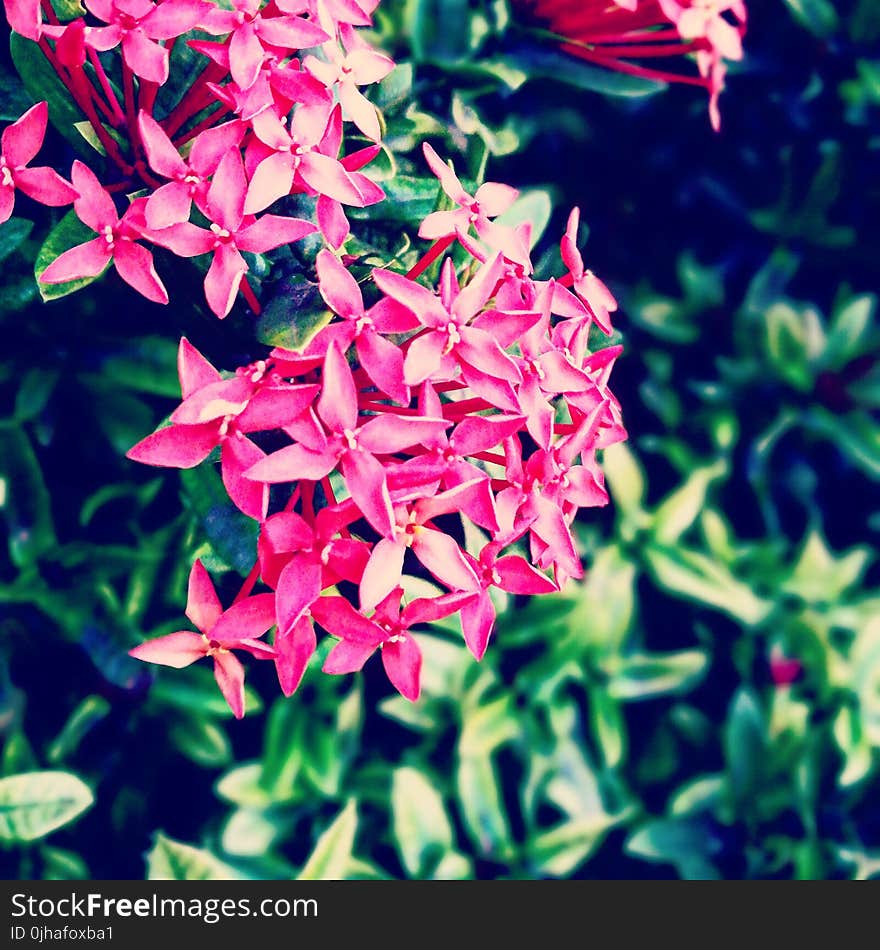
(6, 178)
(453, 337)
(350, 439)
(222, 236)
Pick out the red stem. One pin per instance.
(429, 258)
(206, 123)
(248, 293)
(118, 116)
(249, 583)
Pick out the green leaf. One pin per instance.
(170, 860)
(24, 499)
(693, 575)
(232, 535)
(745, 737)
(67, 10)
(648, 675)
(331, 857)
(34, 804)
(482, 807)
(422, 830)
(241, 786)
(194, 691)
(34, 392)
(68, 233)
(541, 63)
(409, 199)
(42, 83)
(13, 233)
(79, 723)
(63, 865)
(202, 741)
(293, 316)
(14, 100)
(680, 509)
(535, 206)
(688, 844)
(146, 364)
(817, 16)
(561, 850)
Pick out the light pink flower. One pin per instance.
(239, 627)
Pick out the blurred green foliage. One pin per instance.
(630, 726)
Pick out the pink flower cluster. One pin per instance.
(434, 433)
(615, 34)
(260, 122)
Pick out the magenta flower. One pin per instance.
(628, 35)
(239, 627)
(510, 573)
(217, 411)
(285, 161)
(474, 211)
(449, 342)
(231, 232)
(19, 144)
(138, 24)
(250, 33)
(388, 630)
(171, 203)
(116, 241)
(345, 72)
(346, 443)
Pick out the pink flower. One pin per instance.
(474, 211)
(116, 241)
(19, 144)
(344, 73)
(217, 411)
(284, 161)
(231, 233)
(388, 629)
(239, 627)
(354, 447)
(250, 33)
(510, 573)
(170, 204)
(138, 24)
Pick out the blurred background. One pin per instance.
(705, 704)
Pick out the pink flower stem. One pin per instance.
(82, 91)
(206, 123)
(118, 117)
(490, 457)
(248, 293)
(249, 583)
(196, 99)
(429, 258)
(465, 406)
(331, 499)
(369, 406)
(308, 500)
(294, 498)
(147, 92)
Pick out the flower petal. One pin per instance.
(402, 660)
(22, 140)
(382, 573)
(202, 603)
(174, 649)
(229, 674)
(295, 647)
(176, 446)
